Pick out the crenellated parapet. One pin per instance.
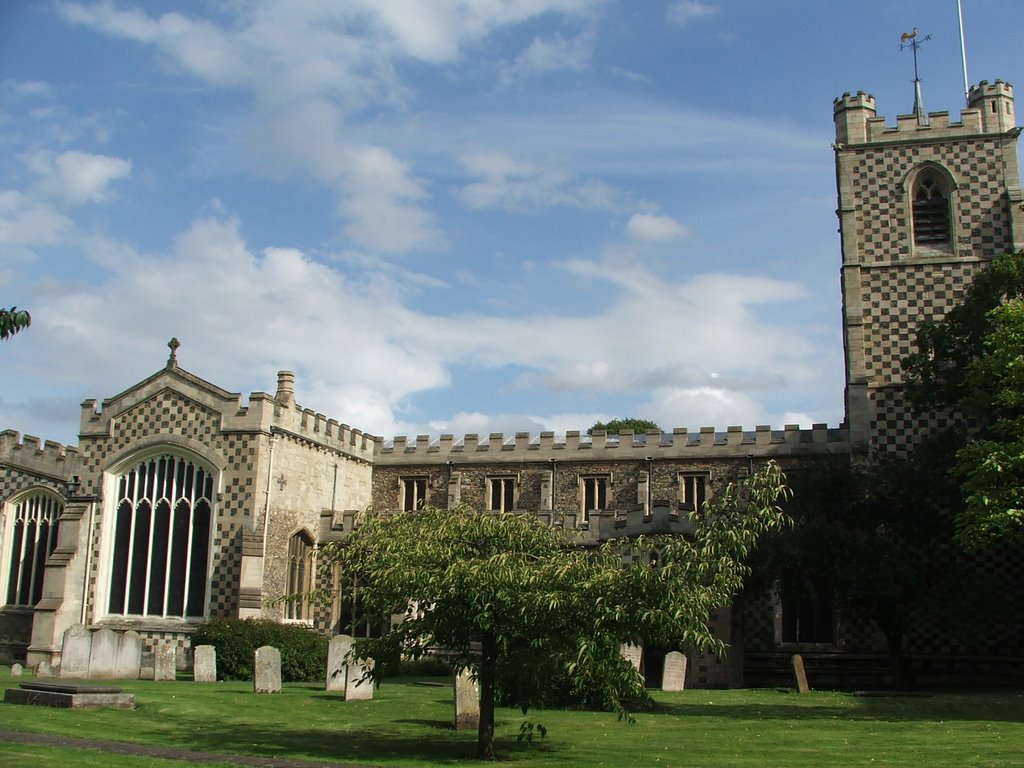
(309, 425)
(706, 443)
(43, 458)
(990, 111)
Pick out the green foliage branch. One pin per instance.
(615, 426)
(509, 596)
(13, 320)
(972, 363)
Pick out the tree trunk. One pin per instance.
(488, 667)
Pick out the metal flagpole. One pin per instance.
(963, 51)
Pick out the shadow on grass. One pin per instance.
(431, 742)
(957, 707)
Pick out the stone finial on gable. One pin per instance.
(172, 359)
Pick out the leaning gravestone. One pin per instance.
(467, 701)
(267, 670)
(129, 656)
(204, 664)
(359, 686)
(632, 654)
(337, 666)
(165, 662)
(103, 655)
(674, 676)
(44, 669)
(74, 652)
(800, 674)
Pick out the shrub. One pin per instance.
(303, 651)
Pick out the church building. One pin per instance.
(183, 501)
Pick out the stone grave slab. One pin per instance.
(800, 674)
(337, 666)
(674, 676)
(103, 655)
(16, 670)
(358, 689)
(204, 664)
(267, 670)
(69, 696)
(128, 664)
(76, 648)
(467, 701)
(165, 662)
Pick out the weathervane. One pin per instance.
(910, 40)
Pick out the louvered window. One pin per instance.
(931, 211)
(161, 546)
(31, 536)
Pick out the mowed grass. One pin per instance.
(409, 725)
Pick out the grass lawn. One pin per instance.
(408, 725)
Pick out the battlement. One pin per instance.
(990, 111)
(48, 458)
(305, 423)
(574, 446)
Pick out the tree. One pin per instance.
(615, 426)
(505, 591)
(970, 363)
(13, 320)
(879, 540)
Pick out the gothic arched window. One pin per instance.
(30, 533)
(300, 575)
(930, 205)
(163, 513)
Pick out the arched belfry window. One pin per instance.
(300, 575)
(30, 533)
(161, 538)
(930, 204)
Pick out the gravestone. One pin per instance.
(44, 669)
(337, 667)
(146, 664)
(632, 653)
(165, 662)
(674, 676)
(16, 670)
(103, 655)
(129, 656)
(267, 670)
(204, 664)
(357, 688)
(74, 652)
(800, 674)
(467, 701)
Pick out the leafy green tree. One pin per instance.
(879, 540)
(505, 592)
(615, 426)
(970, 363)
(13, 320)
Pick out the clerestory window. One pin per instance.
(414, 493)
(160, 553)
(930, 203)
(503, 490)
(693, 490)
(594, 496)
(30, 532)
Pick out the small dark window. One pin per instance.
(931, 211)
(502, 493)
(807, 618)
(414, 493)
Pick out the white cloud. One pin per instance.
(26, 222)
(649, 226)
(551, 55)
(311, 66)
(684, 12)
(78, 177)
(516, 185)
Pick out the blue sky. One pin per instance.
(448, 216)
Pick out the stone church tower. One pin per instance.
(922, 207)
